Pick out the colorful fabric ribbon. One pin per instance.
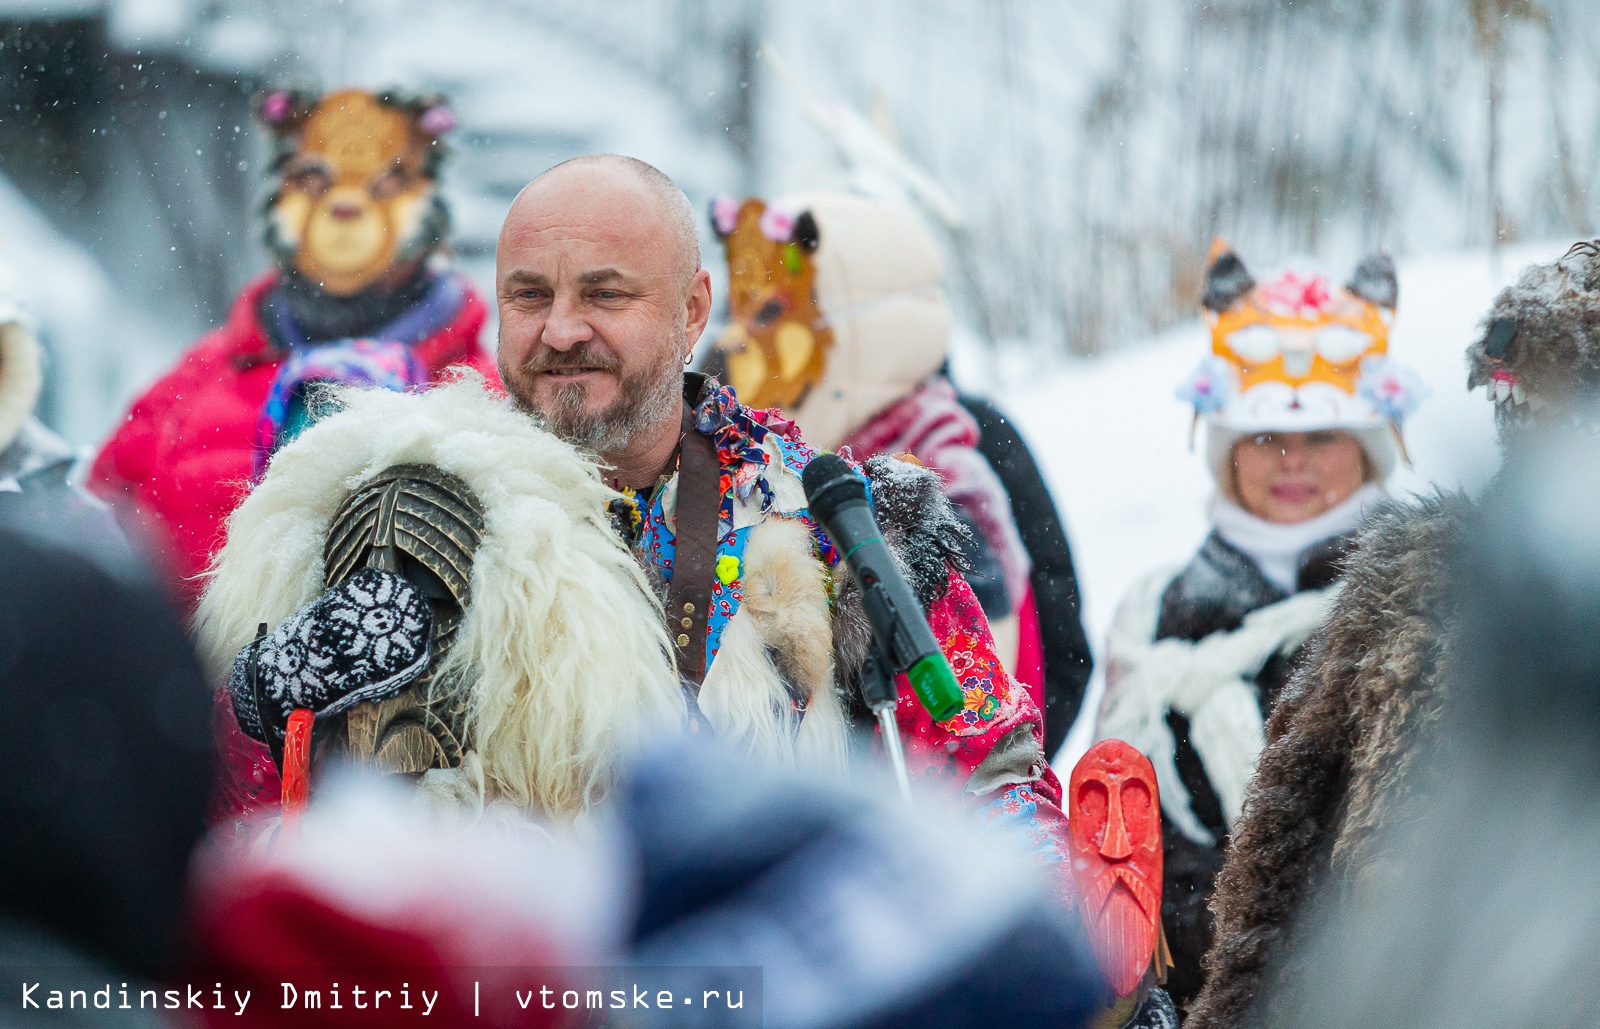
(385, 360)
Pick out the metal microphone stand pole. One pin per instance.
(877, 689)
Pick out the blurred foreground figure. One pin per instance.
(1487, 911)
(830, 891)
(1302, 409)
(105, 765)
(355, 222)
(837, 318)
(451, 588)
(1342, 770)
(373, 892)
(801, 902)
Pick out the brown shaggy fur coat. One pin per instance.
(1338, 760)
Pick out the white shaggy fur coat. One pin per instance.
(563, 643)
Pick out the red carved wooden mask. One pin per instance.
(1114, 827)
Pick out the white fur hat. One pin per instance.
(879, 274)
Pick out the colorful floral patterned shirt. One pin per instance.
(762, 457)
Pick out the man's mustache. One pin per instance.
(582, 355)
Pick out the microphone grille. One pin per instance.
(830, 483)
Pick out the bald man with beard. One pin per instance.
(601, 299)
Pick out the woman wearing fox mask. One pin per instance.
(355, 222)
(1302, 411)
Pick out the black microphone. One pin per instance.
(837, 498)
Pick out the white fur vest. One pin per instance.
(564, 643)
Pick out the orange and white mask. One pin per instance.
(835, 309)
(1296, 353)
(356, 201)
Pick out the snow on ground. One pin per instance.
(1113, 438)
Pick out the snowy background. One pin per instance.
(1080, 159)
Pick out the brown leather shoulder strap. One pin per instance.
(695, 560)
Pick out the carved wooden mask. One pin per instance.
(426, 525)
(1114, 830)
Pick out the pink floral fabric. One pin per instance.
(994, 704)
(931, 425)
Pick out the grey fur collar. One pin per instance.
(323, 316)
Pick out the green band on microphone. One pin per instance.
(858, 546)
(936, 687)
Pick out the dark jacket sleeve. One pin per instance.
(1067, 659)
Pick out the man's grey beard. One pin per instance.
(643, 401)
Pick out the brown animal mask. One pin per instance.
(777, 341)
(356, 197)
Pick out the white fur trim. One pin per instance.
(21, 378)
(563, 641)
(1211, 682)
(784, 611)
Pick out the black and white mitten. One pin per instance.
(367, 638)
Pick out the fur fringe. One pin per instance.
(550, 710)
(927, 539)
(776, 654)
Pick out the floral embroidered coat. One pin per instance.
(762, 457)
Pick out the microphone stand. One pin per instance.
(877, 689)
